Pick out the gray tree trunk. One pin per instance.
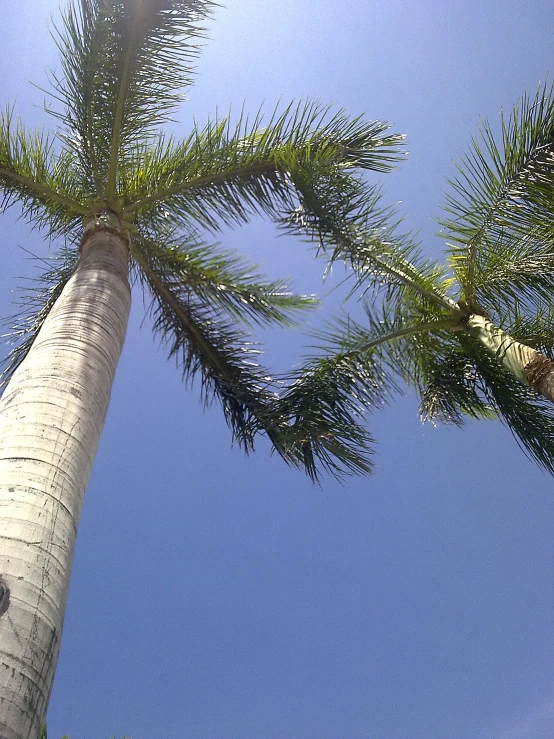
(51, 416)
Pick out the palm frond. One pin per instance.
(534, 329)
(503, 190)
(223, 173)
(517, 270)
(223, 279)
(450, 389)
(465, 381)
(207, 346)
(47, 186)
(529, 416)
(321, 413)
(407, 345)
(36, 302)
(346, 218)
(124, 64)
(415, 339)
(311, 424)
(320, 417)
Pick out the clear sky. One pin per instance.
(222, 597)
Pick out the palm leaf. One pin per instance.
(322, 411)
(222, 174)
(347, 220)
(35, 303)
(48, 186)
(529, 416)
(223, 279)
(450, 390)
(320, 418)
(208, 346)
(124, 64)
(517, 270)
(503, 190)
(467, 381)
(313, 422)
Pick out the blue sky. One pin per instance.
(217, 596)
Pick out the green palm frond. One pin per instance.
(529, 416)
(323, 409)
(515, 270)
(345, 216)
(396, 343)
(366, 362)
(315, 421)
(450, 390)
(503, 190)
(47, 185)
(320, 417)
(221, 278)
(223, 173)
(210, 347)
(467, 381)
(206, 345)
(417, 342)
(534, 329)
(35, 304)
(124, 64)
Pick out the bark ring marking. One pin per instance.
(4, 597)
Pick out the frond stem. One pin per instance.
(163, 290)
(118, 120)
(438, 298)
(93, 162)
(434, 296)
(447, 323)
(199, 182)
(74, 205)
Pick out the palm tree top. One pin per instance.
(124, 67)
(423, 324)
(498, 213)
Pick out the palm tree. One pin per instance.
(130, 204)
(476, 339)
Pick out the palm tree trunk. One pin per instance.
(51, 416)
(525, 363)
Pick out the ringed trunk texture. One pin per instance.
(51, 416)
(527, 364)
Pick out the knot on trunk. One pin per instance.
(4, 596)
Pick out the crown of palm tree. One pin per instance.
(456, 334)
(124, 65)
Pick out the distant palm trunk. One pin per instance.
(51, 416)
(525, 363)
